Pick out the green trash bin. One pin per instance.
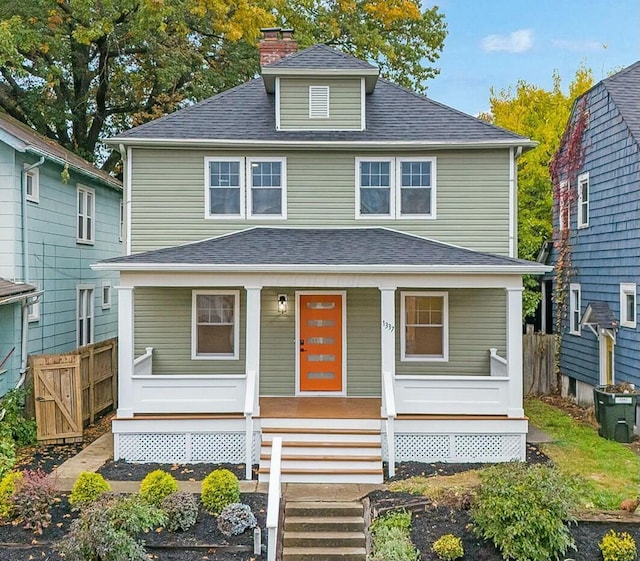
(615, 413)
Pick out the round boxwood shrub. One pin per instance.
(7, 489)
(87, 488)
(156, 486)
(448, 547)
(219, 489)
(618, 547)
(181, 509)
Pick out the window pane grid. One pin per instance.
(424, 329)
(215, 324)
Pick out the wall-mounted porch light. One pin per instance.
(282, 303)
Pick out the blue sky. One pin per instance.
(498, 42)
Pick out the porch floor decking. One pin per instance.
(320, 407)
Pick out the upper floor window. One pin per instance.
(215, 324)
(86, 214)
(318, 102)
(628, 304)
(32, 185)
(424, 335)
(564, 207)
(395, 187)
(583, 200)
(239, 187)
(574, 308)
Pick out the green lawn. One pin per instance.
(606, 472)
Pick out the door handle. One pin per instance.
(302, 350)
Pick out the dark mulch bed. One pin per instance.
(128, 471)
(18, 544)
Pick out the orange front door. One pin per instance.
(320, 344)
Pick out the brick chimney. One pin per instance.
(276, 44)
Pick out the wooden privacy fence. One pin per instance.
(71, 389)
(538, 363)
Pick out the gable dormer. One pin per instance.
(315, 89)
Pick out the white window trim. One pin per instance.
(106, 302)
(564, 207)
(445, 327)
(207, 188)
(395, 180)
(33, 314)
(92, 315)
(398, 189)
(626, 289)
(283, 188)
(121, 226)
(35, 184)
(89, 237)
(575, 329)
(319, 109)
(392, 198)
(236, 326)
(582, 179)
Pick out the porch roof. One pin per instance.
(322, 249)
(10, 291)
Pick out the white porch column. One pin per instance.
(514, 350)
(252, 342)
(125, 351)
(387, 333)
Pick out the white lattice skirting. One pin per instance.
(460, 448)
(184, 447)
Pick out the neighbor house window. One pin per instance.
(215, 324)
(224, 187)
(32, 185)
(564, 207)
(583, 200)
(84, 323)
(33, 309)
(318, 102)
(121, 230)
(267, 187)
(574, 308)
(628, 304)
(424, 335)
(86, 215)
(395, 188)
(106, 295)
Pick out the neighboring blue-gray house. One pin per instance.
(601, 221)
(58, 214)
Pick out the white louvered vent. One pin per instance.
(318, 102)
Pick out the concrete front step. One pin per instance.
(324, 554)
(323, 524)
(316, 508)
(324, 539)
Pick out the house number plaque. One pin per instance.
(388, 326)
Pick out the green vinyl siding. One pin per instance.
(163, 321)
(472, 196)
(477, 322)
(345, 100)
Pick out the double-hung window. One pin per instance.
(32, 185)
(84, 321)
(215, 324)
(574, 308)
(424, 335)
(395, 187)
(628, 304)
(583, 200)
(86, 214)
(245, 187)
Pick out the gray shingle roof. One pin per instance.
(10, 288)
(598, 313)
(315, 246)
(624, 88)
(393, 113)
(321, 56)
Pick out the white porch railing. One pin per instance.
(249, 400)
(497, 364)
(390, 412)
(142, 366)
(273, 498)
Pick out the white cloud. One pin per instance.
(515, 42)
(586, 45)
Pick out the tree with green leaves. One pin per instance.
(79, 70)
(541, 115)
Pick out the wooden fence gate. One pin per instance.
(71, 389)
(538, 363)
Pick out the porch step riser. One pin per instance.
(304, 447)
(336, 465)
(289, 437)
(297, 424)
(316, 509)
(328, 478)
(324, 554)
(309, 539)
(322, 524)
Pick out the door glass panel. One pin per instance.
(321, 340)
(321, 305)
(321, 358)
(321, 375)
(320, 323)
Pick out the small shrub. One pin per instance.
(219, 489)
(87, 488)
(448, 547)
(235, 518)
(33, 498)
(522, 509)
(14, 424)
(157, 486)
(106, 530)
(7, 488)
(7, 454)
(618, 547)
(391, 536)
(182, 511)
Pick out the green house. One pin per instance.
(321, 255)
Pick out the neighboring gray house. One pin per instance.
(323, 255)
(51, 230)
(601, 222)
